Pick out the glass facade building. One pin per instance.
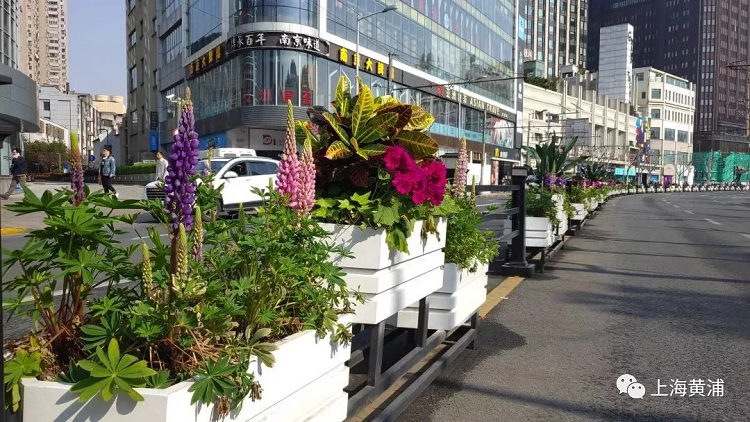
(242, 70)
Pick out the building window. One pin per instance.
(172, 44)
(47, 106)
(297, 12)
(682, 136)
(133, 38)
(134, 119)
(205, 23)
(656, 113)
(643, 95)
(133, 77)
(668, 134)
(639, 76)
(656, 94)
(131, 5)
(143, 29)
(655, 133)
(170, 6)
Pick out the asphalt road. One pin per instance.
(657, 286)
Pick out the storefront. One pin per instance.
(245, 83)
(503, 160)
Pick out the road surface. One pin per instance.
(657, 287)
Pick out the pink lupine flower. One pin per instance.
(306, 180)
(288, 173)
(462, 165)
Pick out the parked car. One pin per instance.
(238, 170)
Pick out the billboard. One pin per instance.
(501, 132)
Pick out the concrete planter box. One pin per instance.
(539, 232)
(306, 384)
(581, 212)
(561, 216)
(461, 294)
(389, 280)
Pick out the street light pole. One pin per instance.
(359, 19)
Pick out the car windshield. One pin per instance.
(216, 165)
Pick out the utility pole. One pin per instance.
(390, 72)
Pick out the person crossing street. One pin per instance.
(107, 171)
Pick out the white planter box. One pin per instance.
(305, 384)
(539, 232)
(581, 212)
(389, 280)
(561, 216)
(461, 294)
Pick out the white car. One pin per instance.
(239, 170)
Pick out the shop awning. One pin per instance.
(507, 160)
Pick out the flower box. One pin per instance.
(580, 213)
(389, 280)
(461, 294)
(539, 232)
(306, 383)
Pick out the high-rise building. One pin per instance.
(697, 41)
(44, 42)
(142, 116)
(18, 93)
(244, 68)
(556, 34)
(616, 61)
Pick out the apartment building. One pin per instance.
(44, 42)
(556, 35)
(669, 101)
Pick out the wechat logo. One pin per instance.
(627, 384)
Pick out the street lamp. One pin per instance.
(361, 18)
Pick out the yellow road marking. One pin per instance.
(498, 294)
(5, 231)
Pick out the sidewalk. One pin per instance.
(11, 224)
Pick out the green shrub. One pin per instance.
(138, 168)
(465, 244)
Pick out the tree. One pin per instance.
(546, 83)
(50, 155)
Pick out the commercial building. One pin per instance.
(696, 41)
(44, 42)
(605, 128)
(669, 101)
(142, 114)
(112, 110)
(616, 61)
(74, 111)
(243, 70)
(555, 34)
(18, 93)
(49, 131)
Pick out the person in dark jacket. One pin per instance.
(17, 172)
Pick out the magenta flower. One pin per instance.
(179, 189)
(436, 179)
(398, 160)
(287, 175)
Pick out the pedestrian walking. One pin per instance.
(161, 166)
(107, 172)
(17, 172)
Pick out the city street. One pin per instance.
(656, 287)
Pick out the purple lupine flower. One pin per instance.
(462, 165)
(561, 182)
(287, 174)
(179, 189)
(550, 180)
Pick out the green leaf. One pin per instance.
(396, 239)
(343, 96)
(377, 128)
(338, 151)
(403, 111)
(344, 204)
(117, 371)
(303, 132)
(361, 199)
(385, 215)
(363, 110)
(421, 119)
(337, 129)
(417, 143)
(371, 150)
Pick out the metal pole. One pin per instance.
(390, 66)
(356, 56)
(484, 141)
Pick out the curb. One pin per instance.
(9, 231)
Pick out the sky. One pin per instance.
(96, 46)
